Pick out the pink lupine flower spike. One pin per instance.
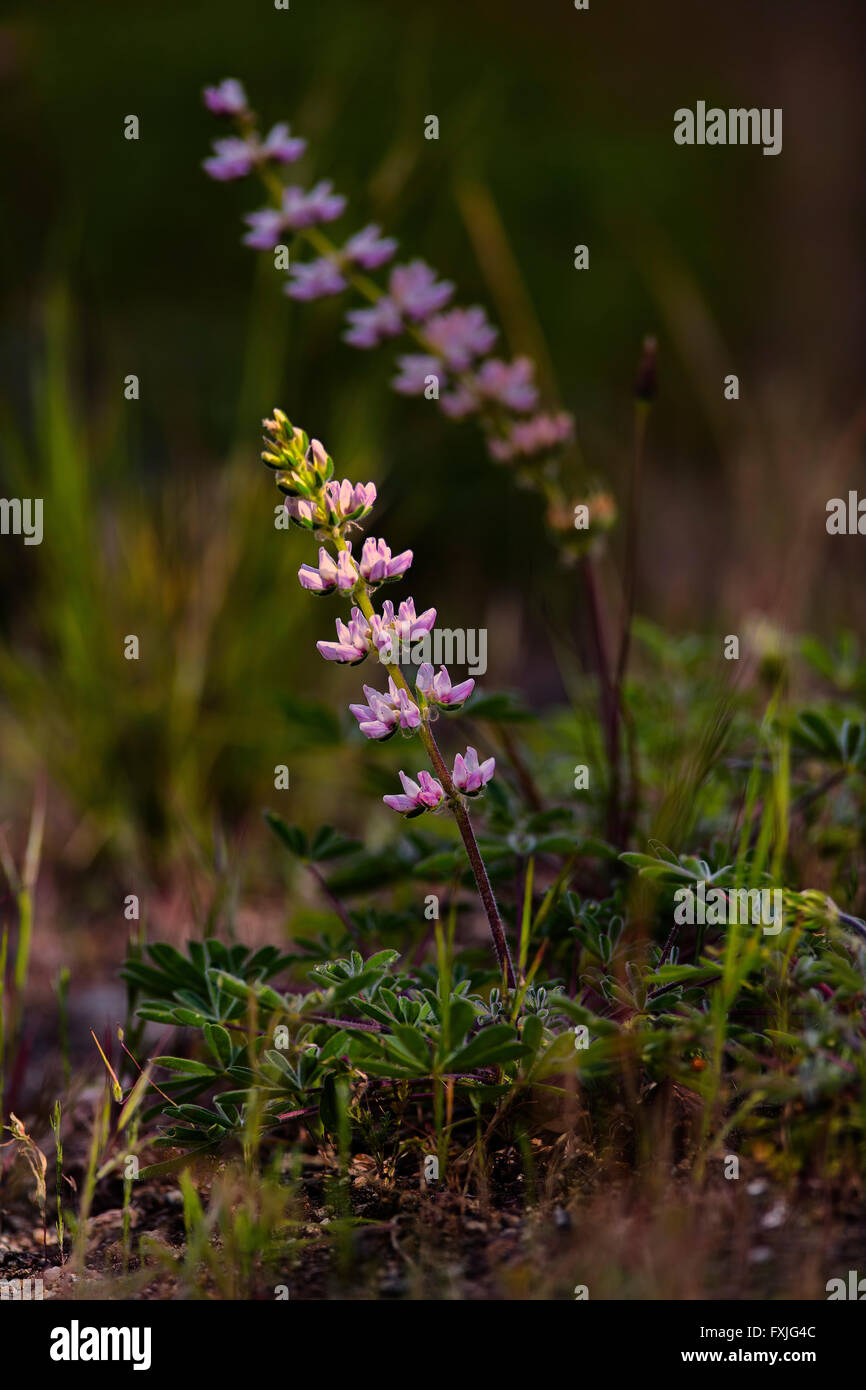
(304, 471)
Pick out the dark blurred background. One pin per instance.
(556, 128)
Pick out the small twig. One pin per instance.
(335, 903)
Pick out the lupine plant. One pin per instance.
(330, 511)
(746, 1021)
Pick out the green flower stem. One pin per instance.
(457, 805)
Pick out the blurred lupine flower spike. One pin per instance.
(453, 343)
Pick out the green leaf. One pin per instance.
(229, 984)
(379, 1015)
(560, 1003)
(814, 729)
(145, 977)
(291, 836)
(280, 1061)
(185, 1065)
(219, 1041)
(335, 1046)
(169, 959)
(355, 984)
(561, 1048)
(639, 861)
(482, 1050)
(461, 1016)
(532, 1031)
(155, 1015)
(199, 1114)
(664, 870)
(328, 843)
(413, 1041)
(382, 959)
(244, 1074)
(187, 1018)
(661, 851)
(171, 1165)
(392, 1070)
(230, 1113)
(179, 1134)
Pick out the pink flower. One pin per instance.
(408, 713)
(341, 575)
(377, 565)
(302, 208)
(354, 640)
(424, 795)
(281, 146)
(266, 229)
(469, 776)
(369, 327)
(302, 512)
(414, 289)
(438, 690)
(378, 718)
(231, 159)
(459, 403)
(234, 158)
(227, 99)
(508, 383)
(390, 630)
(414, 371)
(368, 248)
(384, 714)
(299, 208)
(528, 437)
(347, 501)
(460, 336)
(315, 280)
